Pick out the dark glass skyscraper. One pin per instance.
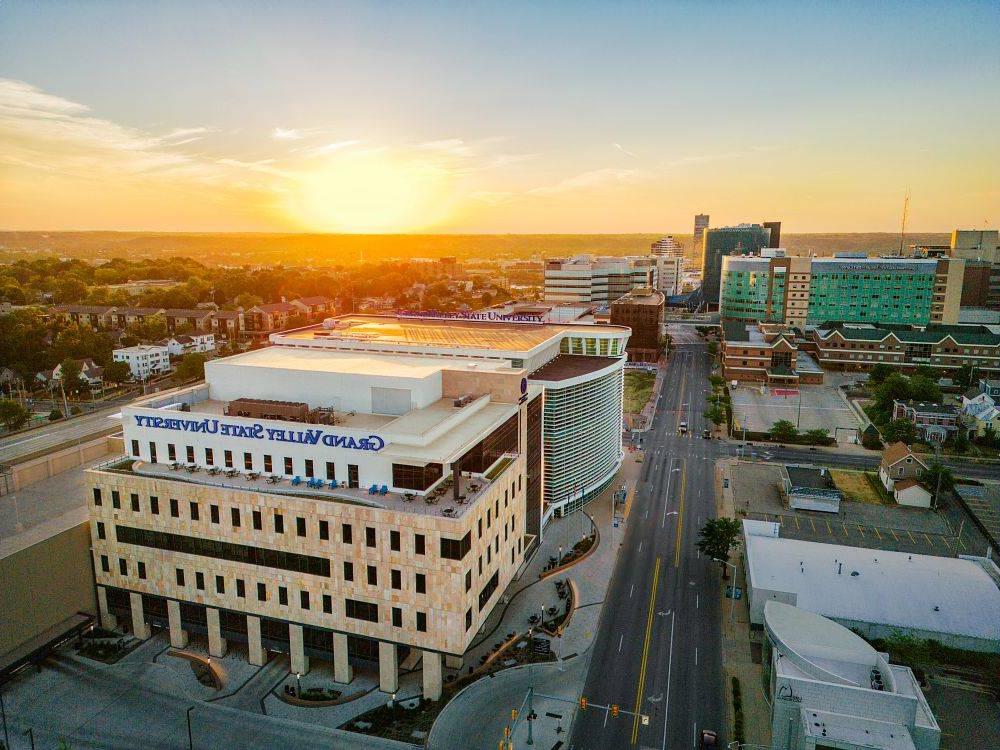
(744, 239)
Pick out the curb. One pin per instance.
(597, 540)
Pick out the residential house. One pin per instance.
(178, 346)
(228, 324)
(991, 387)
(194, 320)
(264, 319)
(144, 360)
(127, 316)
(980, 413)
(90, 371)
(313, 306)
(934, 422)
(899, 471)
(92, 316)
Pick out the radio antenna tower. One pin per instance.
(902, 226)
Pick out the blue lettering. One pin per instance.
(376, 443)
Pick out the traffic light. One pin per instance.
(614, 711)
(583, 703)
(513, 714)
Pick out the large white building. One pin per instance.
(597, 280)
(360, 491)
(144, 360)
(669, 274)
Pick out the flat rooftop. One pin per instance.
(923, 592)
(434, 333)
(566, 366)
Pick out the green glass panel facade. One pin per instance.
(871, 297)
(745, 293)
(743, 240)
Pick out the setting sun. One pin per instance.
(372, 192)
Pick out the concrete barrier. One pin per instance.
(44, 467)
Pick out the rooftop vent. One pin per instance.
(461, 401)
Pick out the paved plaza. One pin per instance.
(822, 406)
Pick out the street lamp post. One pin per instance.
(560, 556)
(298, 684)
(732, 600)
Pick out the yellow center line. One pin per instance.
(680, 515)
(875, 529)
(680, 402)
(894, 535)
(645, 652)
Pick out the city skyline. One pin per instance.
(513, 119)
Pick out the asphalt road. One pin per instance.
(658, 650)
(22, 444)
(829, 457)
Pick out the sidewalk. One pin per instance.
(739, 643)
(477, 715)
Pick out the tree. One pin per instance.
(717, 537)
(896, 387)
(247, 300)
(924, 389)
(717, 381)
(54, 415)
(191, 367)
(712, 348)
(117, 372)
(784, 431)
(963, 376)
(989, 437)
(818, 436)
(935, 474)
(925, 371)
(13, 415)
(961, 442)
(72, 380)
(879, 373)
(715, 414)
(900, 430)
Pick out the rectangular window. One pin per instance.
(220, 585)
(235, 517)
(348, 571)
(419, 544)
(300, 526)
(422, 622)
(228, 458)
(372, 575)
(180, 576)
(369, 536)
(346, 533)
(194, 510)
(309, 468)
(394, 541)
(258, 523)
(282, 596)
(468, 618)
(152, 452)
(488, 589)
(288, 466)
(421, 583)
(105, 565)
(331, 470)
(468, 580)
(116, 499)
(352, 476)
(397, 579)
(135, 449)
(214, 512)
(267, 463)
(142, 570)
(97, 495)
(174, 509)
(171, 452)
(397, 617)
(209, 457)
(261, 592)
(247, 461)
(324, 530)
(456, 549)
(100, 530)
(122, 566)
(189, 454)
(480, 526)
(327, 604)
(304, 599)
(199, 580)
(489, 518)
(279, 523)
(241, 589)
(134, 500)
(361, 610)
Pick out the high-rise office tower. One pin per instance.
(700, 225)
(667, 246)
(743, 239)
(774, 236)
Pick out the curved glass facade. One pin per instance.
(582, 445)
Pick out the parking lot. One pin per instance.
(821, 407)
(755, 488)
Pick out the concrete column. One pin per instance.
(216, 643)
(139, 627)
(296, 650)
(342, 671)
(432, 675)
(107, 619)
(178, 636)
(257, 657)
(453, 662)
(388, 667)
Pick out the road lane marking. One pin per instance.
(680, 517)
(829, 529)
(697, 601)
(670, 667)
(640, 546)
(621, 640)
(861, 531)
(645, 651)
(928, 540)
(894, 535)
(631, 589)
(914, 541)
(875, 529)
(696, 656)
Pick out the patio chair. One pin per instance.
(296, 481)
(333, 484)
(384, 490)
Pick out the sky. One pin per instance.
(502, 117)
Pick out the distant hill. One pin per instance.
(346, 249)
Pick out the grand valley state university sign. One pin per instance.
(258, 431)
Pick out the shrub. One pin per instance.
(738, 730)
(54, 415)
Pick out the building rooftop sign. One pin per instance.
(484, 316)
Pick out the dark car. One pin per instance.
(709, 740)
(707, 434)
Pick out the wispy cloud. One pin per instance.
(620, 147)
(595, 179)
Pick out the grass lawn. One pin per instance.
(856, 487)
(638, 389)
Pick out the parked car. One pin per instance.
(707, 434)
(709, 740)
